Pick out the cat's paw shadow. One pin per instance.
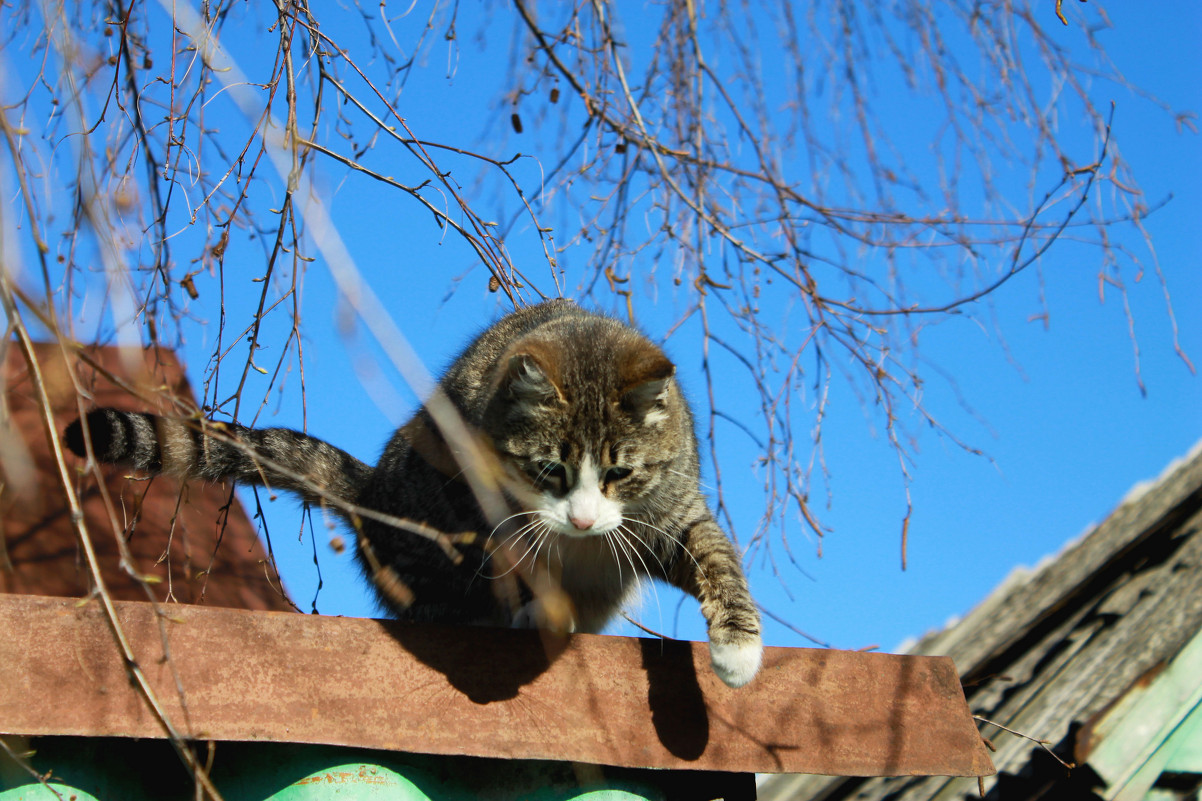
(485, 664)
(677, 705)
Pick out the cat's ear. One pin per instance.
(647, 379)
(528, 380)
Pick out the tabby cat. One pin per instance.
(576, 472)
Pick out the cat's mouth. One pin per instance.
(577, 528)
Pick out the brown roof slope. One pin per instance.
(197, 541)
(1053, 648)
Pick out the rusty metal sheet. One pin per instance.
(199, 544)
(269, 676)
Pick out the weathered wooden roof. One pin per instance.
(1053, 649)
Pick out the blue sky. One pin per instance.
(1057, 409)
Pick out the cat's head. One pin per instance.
(589, 424)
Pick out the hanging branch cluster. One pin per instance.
(764, 163)
(755, 164)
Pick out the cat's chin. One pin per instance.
(736, 663)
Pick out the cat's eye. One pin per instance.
(617, 473)
(546, 472)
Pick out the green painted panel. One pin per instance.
(39, 792)
(1188, 756)
(255, 772)
(1138, 736)
(1161, 795)
(352, 782)
(115, 769)
(1177, 752)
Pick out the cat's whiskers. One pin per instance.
(654, 589)
(543, 535)
(532, 545)
(514, 532)
(691, 478)
(505, 520)
(663, 533)
(637, 539)
(558, 548)
(609, 540)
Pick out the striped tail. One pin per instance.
(277, 458)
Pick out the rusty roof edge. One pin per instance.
(270, 676)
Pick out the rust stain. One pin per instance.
(1087, 738)
(363, 776)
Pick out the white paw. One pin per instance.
(736, 663)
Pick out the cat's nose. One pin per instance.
(582, 523)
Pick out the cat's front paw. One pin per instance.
(737, 661)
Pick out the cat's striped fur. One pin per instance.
(590, 443)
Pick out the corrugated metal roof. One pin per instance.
(1053, 649)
